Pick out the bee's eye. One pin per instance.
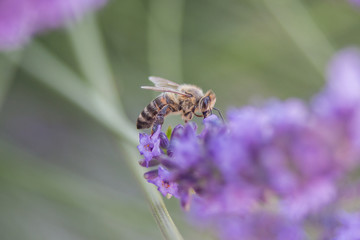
(204, 103)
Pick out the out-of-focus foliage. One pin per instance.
(62, 175)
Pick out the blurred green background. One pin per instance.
(62, 174)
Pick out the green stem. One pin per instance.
(61, 79)
(293, 16)
(158, 208)
(164, 38)
(88, 45)
(7, 71)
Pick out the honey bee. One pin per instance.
(187, 100)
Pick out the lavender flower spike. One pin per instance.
(272, 172)
(20, 19)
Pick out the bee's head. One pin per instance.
(207, 102)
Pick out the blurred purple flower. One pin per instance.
(20, 19)
(346, 226)
(185, 148)
(355, 2)
(340, 98)
(337, 106)
(260, 226)
(287, 156)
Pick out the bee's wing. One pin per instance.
(162, 82)
(166, 89)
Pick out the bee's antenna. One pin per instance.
(219, 113)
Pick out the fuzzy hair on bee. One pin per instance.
(185, 99)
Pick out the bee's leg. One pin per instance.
(187, 116)
(160, 118)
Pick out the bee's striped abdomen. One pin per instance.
(148, 116)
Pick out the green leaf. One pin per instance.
(168, 132)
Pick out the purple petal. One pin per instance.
(260, 226)
(344, 76)
(165, 186)
(349, 228)
(311, 199)
(341, 95)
